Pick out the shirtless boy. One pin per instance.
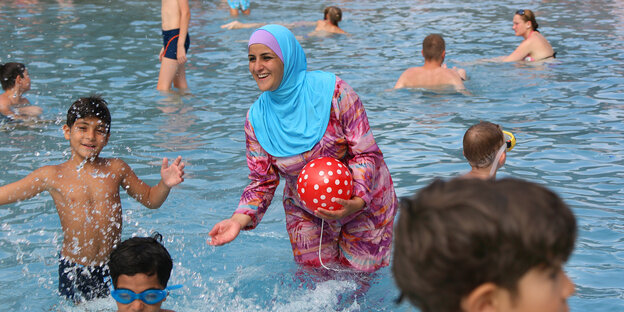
(176, 15)
(433, 74)
(15, 82)
(85, 190)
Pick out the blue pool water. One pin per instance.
(567, 116)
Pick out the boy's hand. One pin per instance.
(349, 207)
(181, 55)
(160, 55)
(174, 174)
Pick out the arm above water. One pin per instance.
(185, 18)
(150, 196)
(31, 185)
(521, 51)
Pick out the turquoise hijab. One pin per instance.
(291, 119)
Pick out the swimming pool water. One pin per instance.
(567, 116)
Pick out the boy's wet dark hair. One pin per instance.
(141, 255)
(9, 73)
(455, 236)
(91, 106)
(433, 46)
(481, 142)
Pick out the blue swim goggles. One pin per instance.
(150, 296)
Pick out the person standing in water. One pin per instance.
(176, 16)
(300, 116)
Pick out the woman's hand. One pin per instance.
(228, 229)
(349, 207)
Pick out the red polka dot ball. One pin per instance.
(321, 180)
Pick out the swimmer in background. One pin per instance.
(485, 148)
(433, 74)
(534, 47)
(176, 16)
(329, 24)
(85, 190)
(15, 82)
(242, 5)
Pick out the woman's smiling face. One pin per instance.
(266, 67)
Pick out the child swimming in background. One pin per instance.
(15, 82)
(433, 74)
(485, 148)
(85, 190)
(329, 24)
(176, 16)
(140, 268)
(470, 245)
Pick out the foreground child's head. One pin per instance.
(482, 144)
(474, 245)
(88, 126)
(434, 48)
(140, 266)
(12, 74)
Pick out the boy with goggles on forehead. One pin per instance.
(140, 268)
(485, 147)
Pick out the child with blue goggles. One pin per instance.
(140, 268)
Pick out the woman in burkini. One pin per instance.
(329, 24)
(300, 116)
(534, 47)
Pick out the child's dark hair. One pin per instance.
(454, 236)
(9, 73)
(91, 106)
(144, 255)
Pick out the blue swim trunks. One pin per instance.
(242, 4)
(170, 43)
(80, 283)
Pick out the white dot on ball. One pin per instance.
(346, 182)
(316, 187)
(340, 165)
(347, 173)
(321, 173)
(340, 191)
(330, 207)
(300, 179)
(311, 165)
(348, 192)
(329, 189)
(323, 204)
(315, 201)
(337, 182)
(323, 197)
(329, 163)
(326, 181)
(330, 173)
(333, 199)
(303, 201)
(302, 190)
(339, 171)
(305, 176)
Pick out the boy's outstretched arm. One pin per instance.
(29, 186)
(154, 196)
